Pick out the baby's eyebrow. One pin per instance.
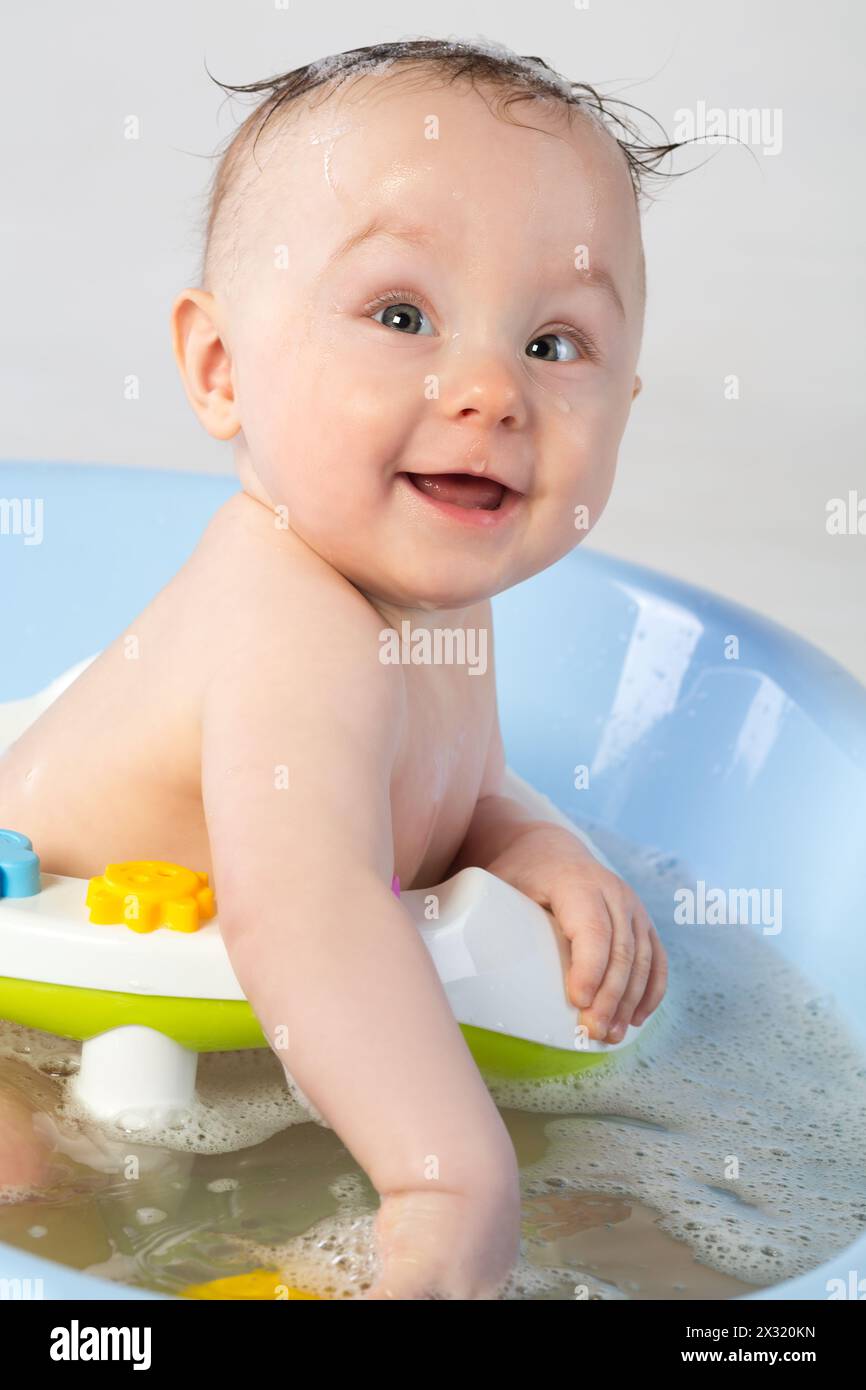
(410, 232)
(413, 234)
(601, 279)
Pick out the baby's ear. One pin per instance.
(204, 362)
(637, 388)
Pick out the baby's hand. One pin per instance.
(619, 967)
(445, 1245)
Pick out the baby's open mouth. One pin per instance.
(461, 489)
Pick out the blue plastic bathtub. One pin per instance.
(751, 770)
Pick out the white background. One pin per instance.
(755, 263)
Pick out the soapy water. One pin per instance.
(721, 1153)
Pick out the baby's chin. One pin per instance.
(399, 564)
(430, 578)
(416, 576)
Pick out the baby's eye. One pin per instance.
(554, 347)
(402, 314)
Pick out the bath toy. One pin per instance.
(19, 866)
(147, 894)
(131, 963)
(259, 1285)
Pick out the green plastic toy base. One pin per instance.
(224, 1025)
(72, 1011)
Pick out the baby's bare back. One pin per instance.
(112, 770)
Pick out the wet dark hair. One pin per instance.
(484, 64)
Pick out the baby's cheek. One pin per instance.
(584, 483)
(273, 421)
(594, 451)
(600, 485)
(568, 506)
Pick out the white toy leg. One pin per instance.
(136, 1074)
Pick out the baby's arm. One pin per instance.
(342, 983)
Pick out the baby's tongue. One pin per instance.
(463, 489)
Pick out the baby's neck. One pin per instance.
(262, 510)
(421, 618)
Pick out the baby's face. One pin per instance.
(464, 336)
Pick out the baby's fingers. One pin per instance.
(657, 982)
(599, 919)
(602, 1011)
(582, 915)
(640, 973)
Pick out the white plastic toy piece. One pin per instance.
(135, 1075)
(499, 955)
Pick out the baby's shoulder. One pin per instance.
(269, 597)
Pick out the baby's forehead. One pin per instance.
(446, 155)
(382, 136)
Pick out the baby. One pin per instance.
(256, 730)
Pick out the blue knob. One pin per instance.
(19, 866)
